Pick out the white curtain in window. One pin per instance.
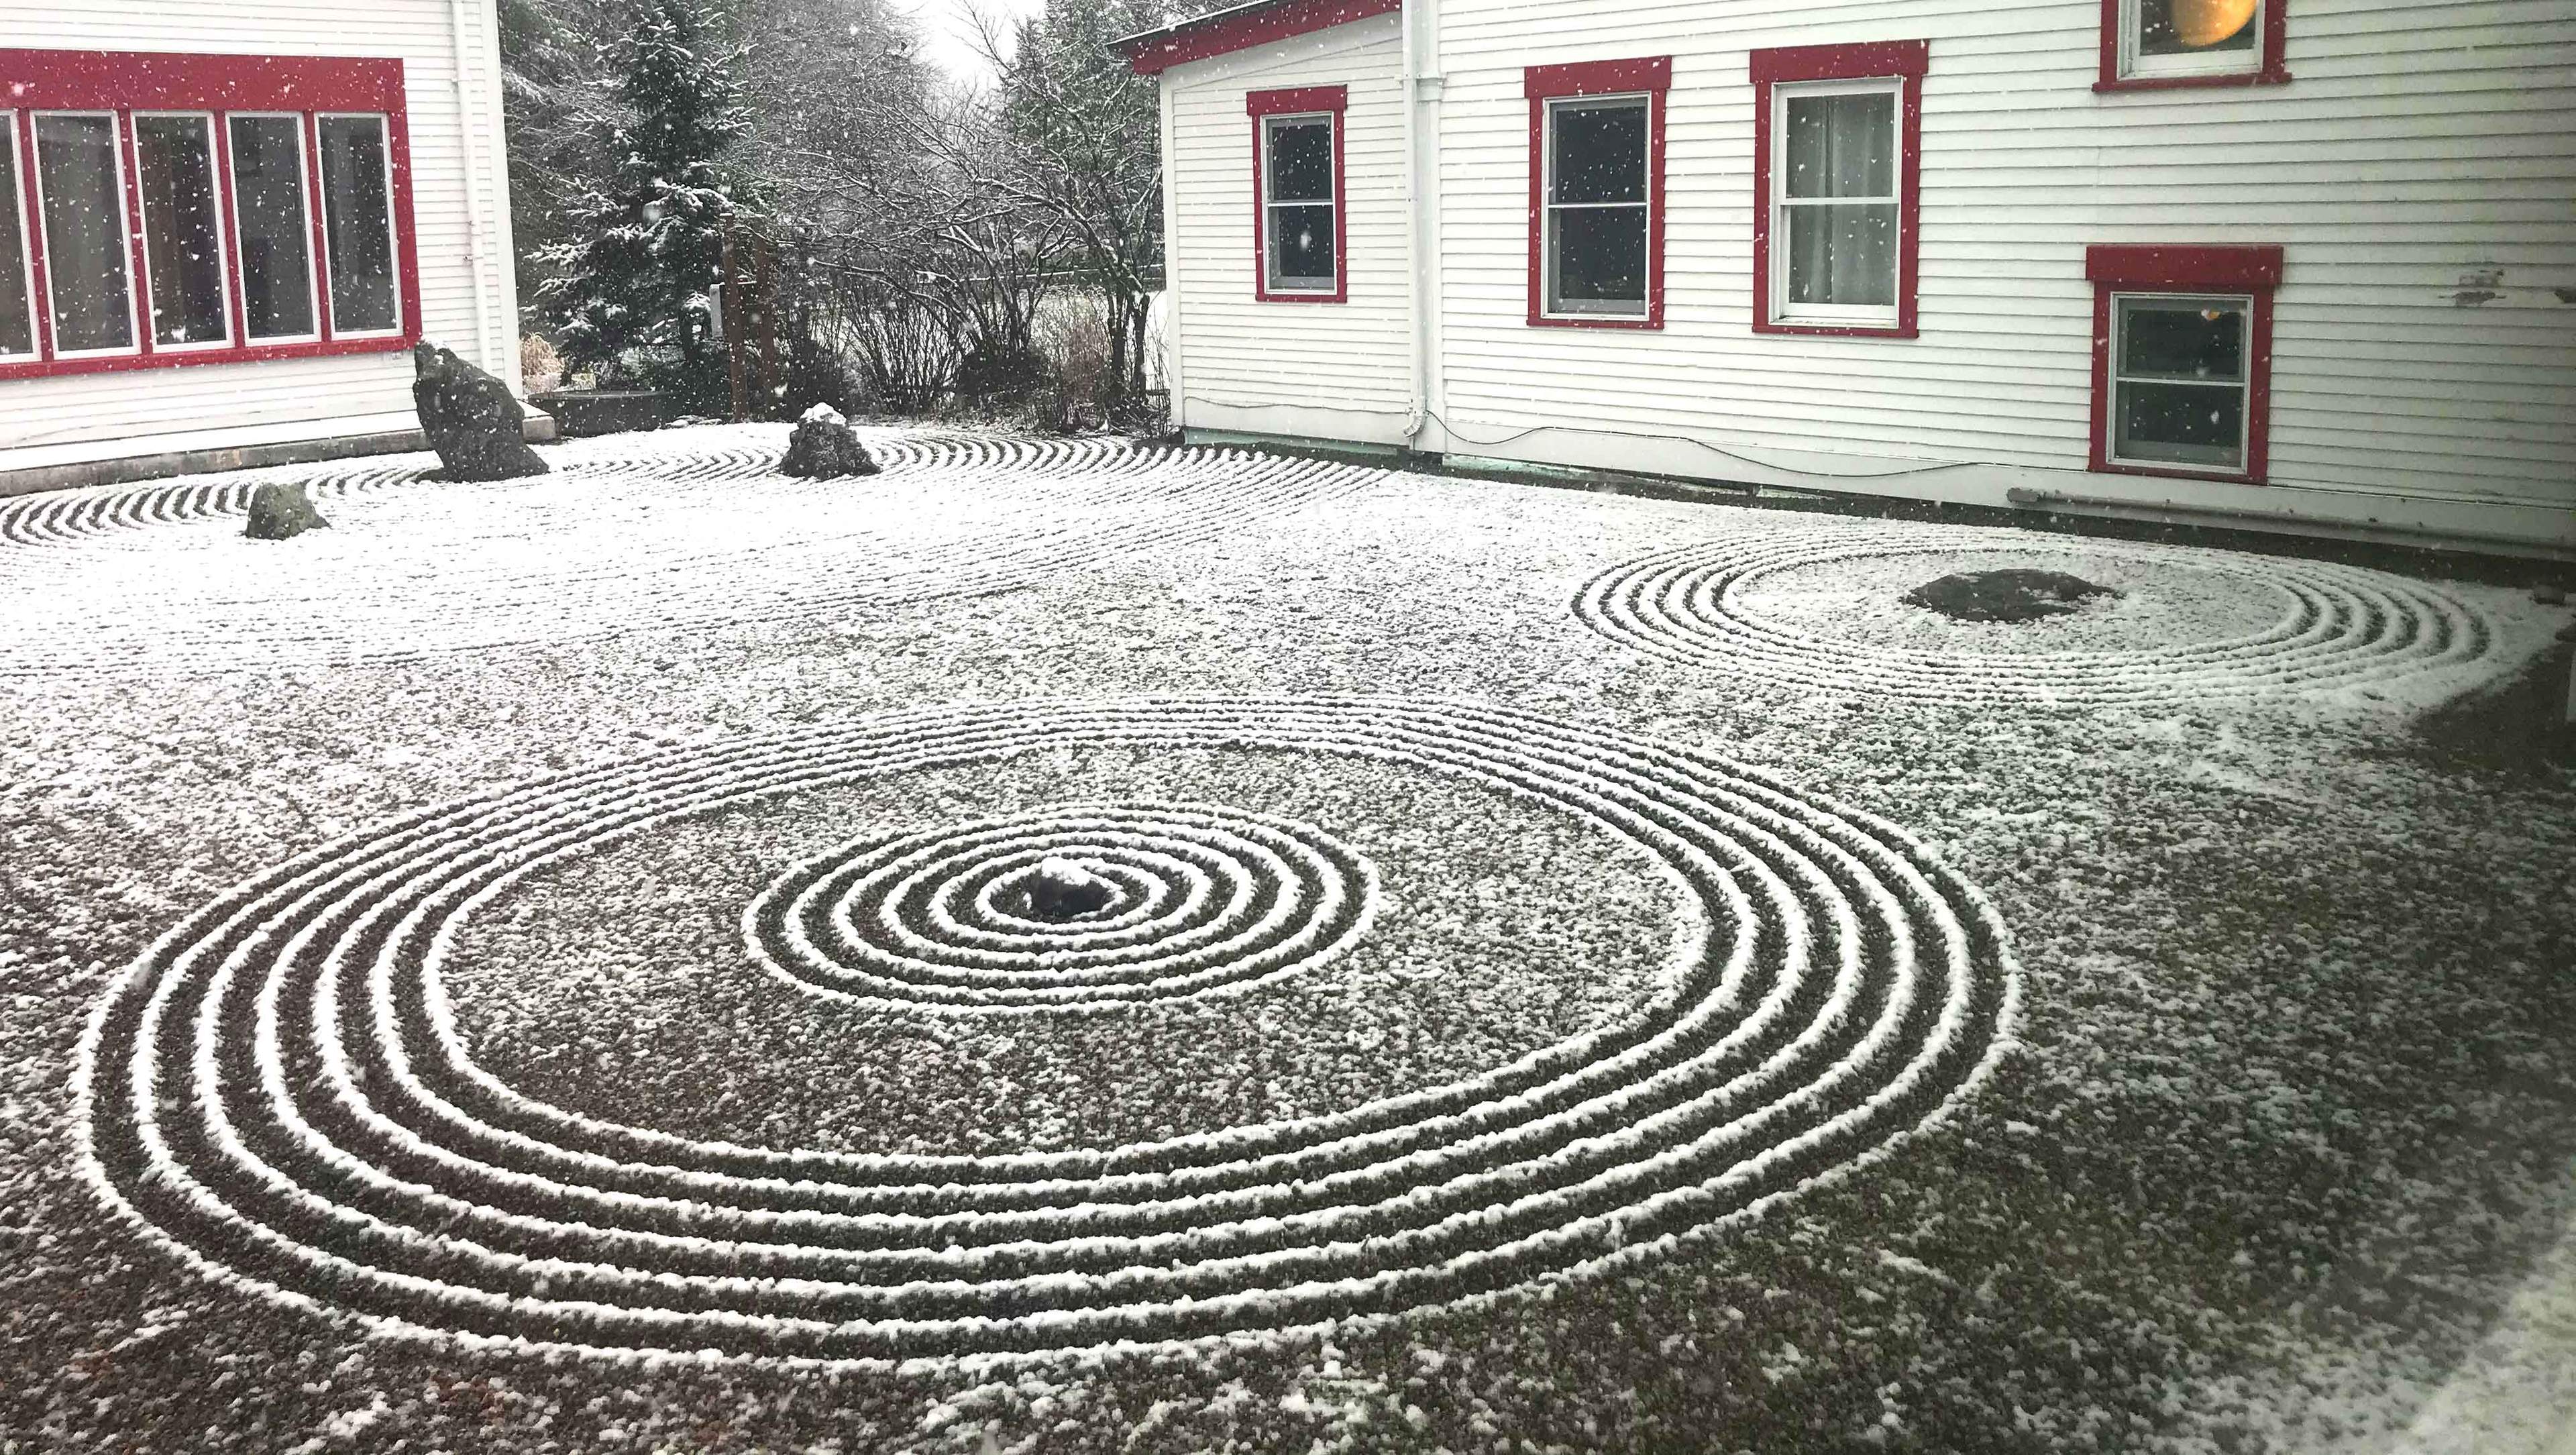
(1839, 198)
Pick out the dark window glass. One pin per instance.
(1301, 245)
(275, 232)
(2191, 339)
(1842, 146)
(85, 241)
(356, 205)
(1301, 161)
(17, 315)
(2195, 27)
(1597, 211)
(2180, 381)
(1600, 258)
(1600, 152)
(182, 254)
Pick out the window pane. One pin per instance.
(184, 260)
(275, 242)
(2194, 27)
(1843, 253)
(1600, 152)
(1301, 245)
(85, 242)
(356, 202)
(2196, 338)
(1600, 260)
(1301, 161)
(1842, 146)
(17, 320)
(2189, 424)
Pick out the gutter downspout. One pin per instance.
(465, 118)
(1422, 86)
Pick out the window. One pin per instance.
(183, 252)
(276, 228)
(2182, 359)
(162, 209)
(2150, 43)
(80, 195)
(1837, 141)
(1298, 225)
(17, 284)
(357, 197)
(1597, 193)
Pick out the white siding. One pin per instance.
(1340, 371)
(2417, 147)
(463, 238)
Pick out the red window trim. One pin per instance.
(1241, 27)
(2271, 69)
(1299, 101)
(218, 86)
(2251, 270)
(1652, 75)
(1903, 60)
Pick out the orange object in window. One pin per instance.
(2207, 22)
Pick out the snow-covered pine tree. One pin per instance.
(628, 290)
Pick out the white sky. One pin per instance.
(945, 29)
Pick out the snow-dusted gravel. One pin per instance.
(1575, 970)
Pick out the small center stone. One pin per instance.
(2017, 594)
(1060, 891)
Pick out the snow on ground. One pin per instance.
(1583, 971)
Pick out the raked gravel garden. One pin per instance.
(1084, 946)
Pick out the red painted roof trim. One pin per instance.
(1157, 51)
(45, 80)
(2243, 269)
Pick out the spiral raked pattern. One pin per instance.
(631, 534)
(2329, 626)
(1192, 900)
(277, 1091)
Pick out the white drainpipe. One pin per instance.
(507, 369)
(1422, 86)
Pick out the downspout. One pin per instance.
(1422, 85)
(507, 369)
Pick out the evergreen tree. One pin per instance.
(629, 291)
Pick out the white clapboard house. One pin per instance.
(2287, 264)
(224, 222)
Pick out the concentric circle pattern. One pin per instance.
(2314, 624)
(1194, 899)
(689, 529)
(278, 1092)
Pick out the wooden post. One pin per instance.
(768, 323)
(733, 320)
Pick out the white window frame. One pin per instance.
(135, 326)
(1550, 303)
(1271, 280)
(2244, 385)
(393, 233)
(1834, 315)
(2135, 65)
(218, 182)
(314, 267)
(36, 323)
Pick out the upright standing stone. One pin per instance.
(280, 509)
(471, 418)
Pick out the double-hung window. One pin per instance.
(1837, 140)
(2150, 43)
(1597, 193)
(2182, 359)
(1299, 227)
(173, 209)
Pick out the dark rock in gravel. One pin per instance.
(824, 447)
(2015, 594)
(2549, 594)
(1061, 891)
(471, 418)
(279, 510)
